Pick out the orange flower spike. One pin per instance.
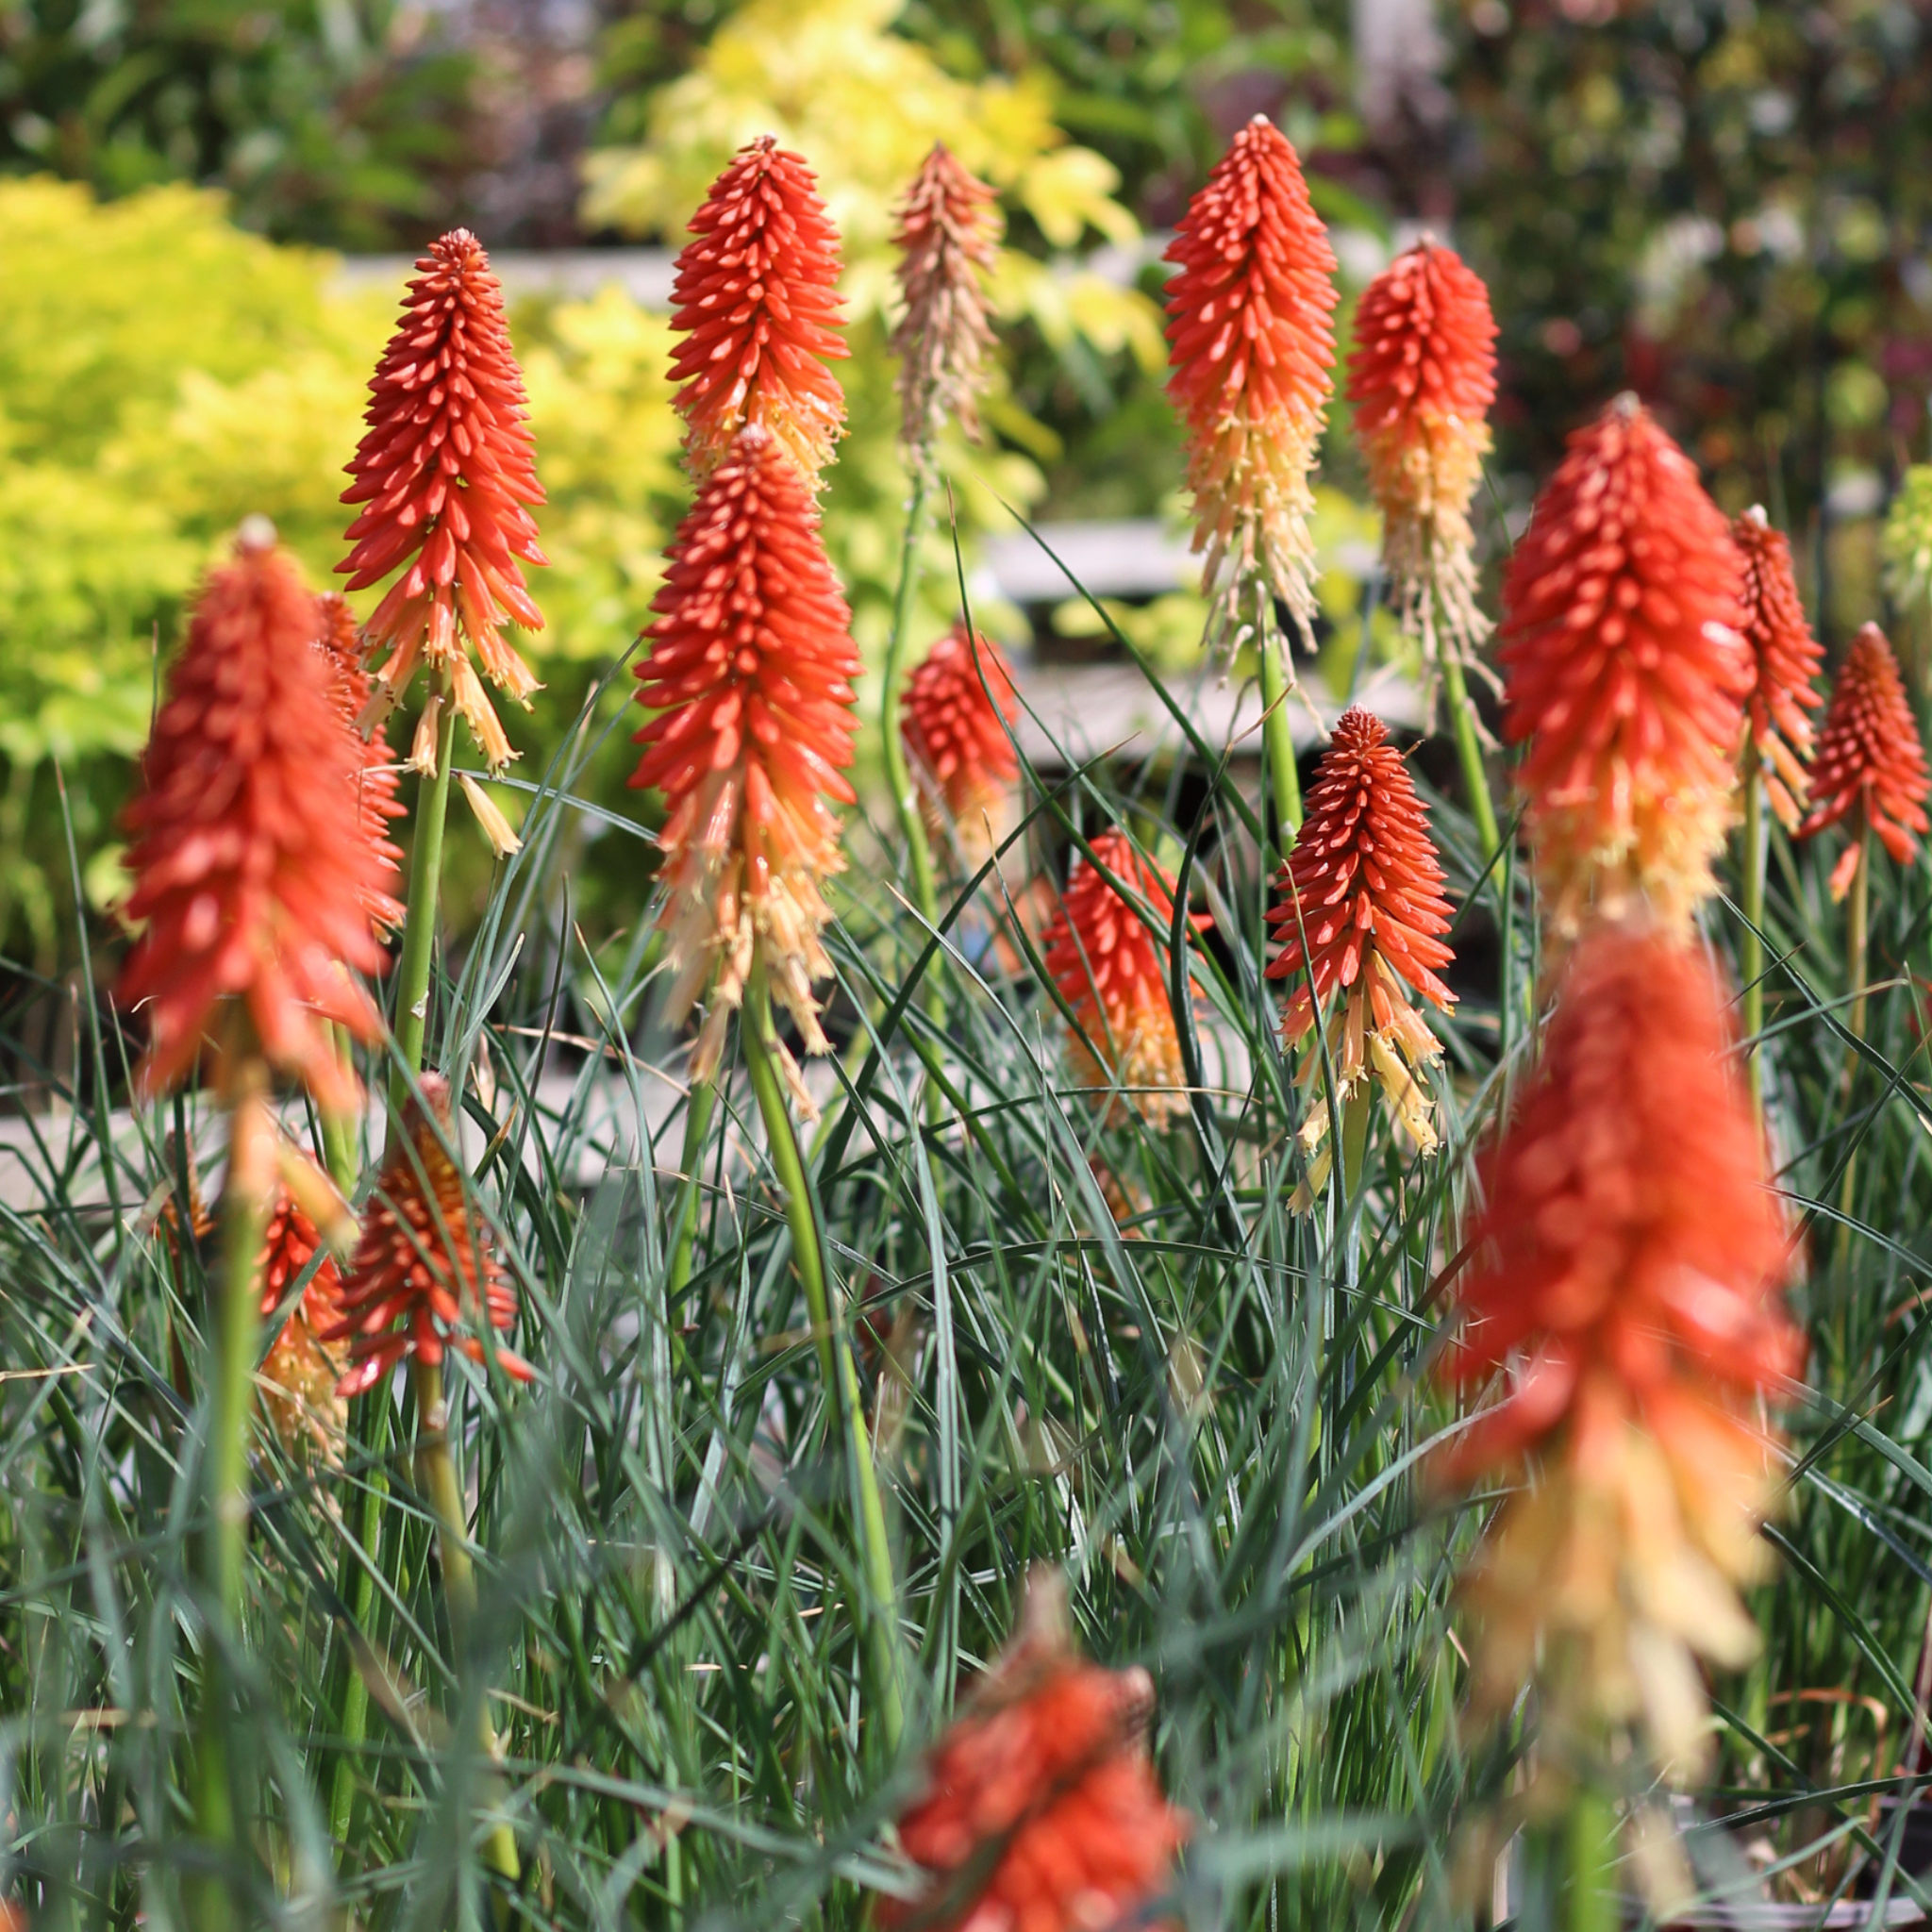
(1422, 375)
(447, 473)
(299, 1372)
(1041, 1810)
(1363, 889)
(750, 678)
(948, 238)
(1870, 770)
(955, 730)
(425, 1260)
(1784, 657)
(252, 878)
(1625, 1273)
(1625, 673)
(1250, 348)
(1108, 969)
(756, 300)
(376, 784)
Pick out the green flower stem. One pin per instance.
(419, 925)
(224, 1548)
(339, 1135)
(905, 795)
(1355, 1110)
(436, 1474)
(1858, 946)
(1750, 946)
(683, 1222)
(1468, 751)
(836, 1363)
(360, 1590)
(1278, 739)
(1593, 1904)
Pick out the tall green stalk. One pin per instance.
(419, 925)
(1284, 778)
(836, 1363)
(436, 1474)
(1750, 946)
(359, 1588)
(1593, 1904)
(1469, 752)
(905, 795)
(683, 1222)
(1858, 946)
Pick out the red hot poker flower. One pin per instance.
(377, 787)
(1421, 376)
(750, 677)
(1626, 1270)
(756, 299)
(447, 473)
(1871, 768)
(1784, 657)
(1110, 971)
(253, 878)
(1363, 889)
(958, 705)
(425, 1260)
(1041, 1812)
(949, 235)
(300, 1372)
(1250, 347)
(1625, 673)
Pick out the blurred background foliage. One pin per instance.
(1722, 205)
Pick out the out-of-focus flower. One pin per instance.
(948, 239)
(501, 835)
(377, 784)
(958, 705)
(1422, 375)
(756, 300)
(1111, 970)
(1626, 674)
(300, 1372)
(1364, 915)
(1870, 771)
(1625, 1269)
(446, 473)
(425, 1261)
(1250, 350)
(1041, 1811)
(1906, 544)
(254, 877)
(1784, 657)
(750, 677)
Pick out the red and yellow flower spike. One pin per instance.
(1041, 1810)
(1422, 375)
(1626, 674)
(1624, 1277)
(757, 300)
(1784, 657)
(300, 1371)
(425, 1260)
(959, 705)
(1109, 969)
(750, 678)
(253, 876)
(948, 239)
(1870, 772)
(1251, 347)
(446, 473)
(1364, 916)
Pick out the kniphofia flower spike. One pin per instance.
(958, 706)
(750, 678)
(1363, 915)
(425, 1260)
(446, 475)
(300, 1371)
(1624, 1277)
(1041, 1811)
(1111, 970)
(757, 300)
(1250, 348)
(252, 871)
(1626, 674)
(1784, 657)
(948, 239)
(1870, 772)
(1422, 375)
